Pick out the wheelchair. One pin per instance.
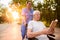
(50, 36)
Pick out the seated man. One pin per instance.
(36, 28)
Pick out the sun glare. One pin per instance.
(12, 14)
(15, 15)
(13, 10)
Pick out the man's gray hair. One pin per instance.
(36, 11)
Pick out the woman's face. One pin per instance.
(37, 16)
(29, 4)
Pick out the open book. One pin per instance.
(53, 23)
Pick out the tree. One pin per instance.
(58, 11)
(48, 10)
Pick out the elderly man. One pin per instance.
(36, 29)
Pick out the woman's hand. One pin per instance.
(24, 22)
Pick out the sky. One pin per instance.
(5, 3)
(36, 1)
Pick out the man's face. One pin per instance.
(37, 16)
(29, 4)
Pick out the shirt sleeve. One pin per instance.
(43, 25)
(30, 25)
(23, 12)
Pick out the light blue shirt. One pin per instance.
(28, 14)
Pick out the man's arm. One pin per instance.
(31, 34)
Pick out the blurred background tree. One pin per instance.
(49, 9)
(58, 11)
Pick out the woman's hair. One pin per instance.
(28, 2)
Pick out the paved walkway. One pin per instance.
(57, 33)
(12, 32)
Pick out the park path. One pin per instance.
(57, 33)
(13, 32)
(10, 32)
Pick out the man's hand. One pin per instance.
(53, 24)
(52, 27)
(50, 31)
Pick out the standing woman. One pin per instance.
(27, 14)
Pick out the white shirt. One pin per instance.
(37, 26)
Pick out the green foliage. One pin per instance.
(20, 1)
(48, 14)
(2, 14)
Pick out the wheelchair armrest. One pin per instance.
(51, 35)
